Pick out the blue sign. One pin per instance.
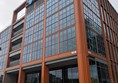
(30, 1)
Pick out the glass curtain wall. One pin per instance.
(93, 27)
(4, 44)
(64, 75)
(99, 72)
(34, 77)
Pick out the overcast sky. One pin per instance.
(7, 7)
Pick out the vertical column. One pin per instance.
(44, 69)
(44, 74)
(106, 47)
(21, 78)
(82, 50)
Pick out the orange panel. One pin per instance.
(82, 50)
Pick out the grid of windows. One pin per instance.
(4, 36)
(55, 76)
(93, 25)
(52, 24)
(52, 6)
(100, 45)
(103, 73)
(34, 34)
(110, 25)
(37, 50)
(56, 23)
(34, 17)
(91, 40)
(27, 53)
(99, 72)
(51, 45)
(32, 52)
(67, 40)
(39, 14)
(67, 16)
(28, 36)
(33, 77)
(65, 75)
(4, 44)
(38, 31)
(63, 3)
(34, 5)
(30, 20)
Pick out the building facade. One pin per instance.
(61, 41)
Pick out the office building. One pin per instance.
(61, 41)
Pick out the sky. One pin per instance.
(8, 6)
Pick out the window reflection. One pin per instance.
(33, 78)
(99, 72)
(93, 27)
(67, 40)
(4, 43)
(65, 75)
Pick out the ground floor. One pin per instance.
(60, 71)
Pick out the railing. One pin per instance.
(14, 63)
(16, 47)
(17, 32)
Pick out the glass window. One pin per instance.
(91, 39)
(55, 76)
(39, 14)
(93, 24)
(28, 36)
(64, 75)
(38, 2)
(67, 16)
(4, 44)
(63, 3)
(52, 6)
(27, 53)
(37, 50)
(94, 72)
(67, 40)
(38, 31)
(33, 77)
(99, 72)
(34, 34)
(73, 75)
(34, 17)
(52, 24)
(100, 42)
(51, 45)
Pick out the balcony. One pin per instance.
(14, 63)
(18, 32)
(16, 47)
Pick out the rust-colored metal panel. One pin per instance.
(81, 43)
(111, 37)
(21, 78)
(106, 48)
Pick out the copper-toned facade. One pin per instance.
(110, 24)
(61, 41)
